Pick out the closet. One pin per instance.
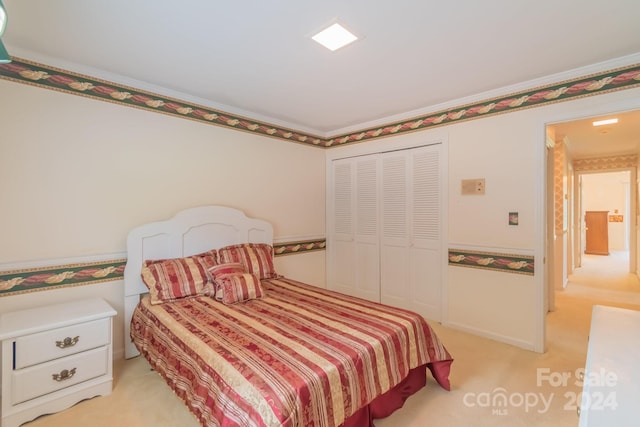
(385, 228)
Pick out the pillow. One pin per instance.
(173, 279)
(257, 258)
(209, 257)
(240, 287)
(217, 272)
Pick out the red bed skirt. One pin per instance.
(386, 404)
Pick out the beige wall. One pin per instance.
(77, 174)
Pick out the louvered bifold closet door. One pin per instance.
(425, 248)
(354, 238)
(411, 263)
(394, 243)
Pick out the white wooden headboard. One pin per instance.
(189, 232)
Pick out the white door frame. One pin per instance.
(544, 252)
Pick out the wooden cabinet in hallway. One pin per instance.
(596, 232)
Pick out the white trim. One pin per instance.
(600, 109)
(119, 79)
(381, 145)
(444, 230)
(540, 239)
(576, 113)
(496, 93)
(496, 337)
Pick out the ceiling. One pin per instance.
(257, 59)
(583, 140)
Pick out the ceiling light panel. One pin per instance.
(334, 37)
(605, 122)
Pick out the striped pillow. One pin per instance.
(257, 258)
(240, 287)
(217, 272)
(208, 258)
(173, 279)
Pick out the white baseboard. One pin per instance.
(493, 336)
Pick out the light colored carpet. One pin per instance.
(482, 370)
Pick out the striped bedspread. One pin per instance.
(302, 356)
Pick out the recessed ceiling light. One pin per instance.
(334, 37)
(605, 122)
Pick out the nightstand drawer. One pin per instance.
(45, 378)
(44, 346)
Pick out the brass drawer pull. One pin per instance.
(64, 375)
(68, 342)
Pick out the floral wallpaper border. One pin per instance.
(14, 282)
(61, 276)
(606, 163)
(32, 73)
(291, 248)
(520, 264)
(45, 278)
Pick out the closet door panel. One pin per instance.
(426, 204)
(395, 282)
(410, 263)
(425, 283)
(367, 272)
(343, 261)
(367, 236)
(354, 254)
(342, 253)
(426, 240)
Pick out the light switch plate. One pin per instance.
(473, 186)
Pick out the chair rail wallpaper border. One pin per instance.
(43, 278)
(290, 248)
(507, 263)
(32, 73)
(38, 278)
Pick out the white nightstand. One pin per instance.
(53, 357)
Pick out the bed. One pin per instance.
(254, 348)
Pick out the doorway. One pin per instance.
(601, 158)
(577, 153)
(605, 200)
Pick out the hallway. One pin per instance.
(602, 280)
(605, 279)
